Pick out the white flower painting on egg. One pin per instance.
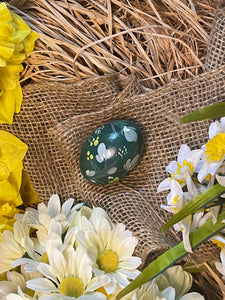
(90, 173)
(103, 153)
(131, 163)
(130, 134)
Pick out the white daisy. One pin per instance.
(16, 283)
(183, 168)
(68, 276)
(41, 217)
(12, 246)
(36, 250)
(110, 248)
(214, 150)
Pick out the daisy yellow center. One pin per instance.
(215, 148)
(29, 293)
(71, 287)
(44, 258)
(108, 261)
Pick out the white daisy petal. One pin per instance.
(67, 205)
(41, 285)
(131, 263)
(45, 269)
(54, 206)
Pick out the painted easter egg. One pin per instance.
(111, 151)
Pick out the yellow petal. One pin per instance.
(10, 102)
(4, 171)
(15, 178)
(28, 194)
(12, 150)
(4, 13)
(21, 28)
(18, 96)
(9, 76)
(6, 209)
(29, 42)
(6, 50)
(7, 191)
(7, 106)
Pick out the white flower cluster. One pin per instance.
(66, 252)
(193, 173)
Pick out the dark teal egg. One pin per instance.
(111, 151)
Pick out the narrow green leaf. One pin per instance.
(195, 204)
(213, 111)
(170, 257)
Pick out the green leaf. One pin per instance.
(213, 111)
(170, 257)
(195, 204)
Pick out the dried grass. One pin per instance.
(158, 41)
(209, 284)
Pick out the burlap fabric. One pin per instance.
(56, 119)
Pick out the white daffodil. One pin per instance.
(110, 248)
(16, 284)
(173, 284)
(183, 168)
(68, 275)
(11, 246)
(36, 249)
(175, 201)
(214, 150)
(221, 265)
(219, 239)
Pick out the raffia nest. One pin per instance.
(158, 41)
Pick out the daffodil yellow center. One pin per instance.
(108, 261)
(72, 287)
(218, 243)
(44, 258)
(180, 166)
(215, 148)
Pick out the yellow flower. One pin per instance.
(12, 152)
(16, 41)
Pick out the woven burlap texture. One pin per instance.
(56, 119)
